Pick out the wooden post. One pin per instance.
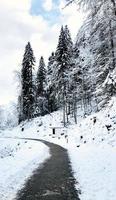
(53, 131)
(66, 137)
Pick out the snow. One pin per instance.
(95, 172)
(91, 146)
(18, 159)
(94, 159)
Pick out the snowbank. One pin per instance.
(18, 159)
(94, 168)
(93, 154)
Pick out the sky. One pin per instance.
(37, 21)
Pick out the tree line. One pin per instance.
(51, 88)
(80, 77)
(95, 53)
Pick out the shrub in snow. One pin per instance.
(8, 116)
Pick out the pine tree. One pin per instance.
(63, 59)
(41, 78)
(50, 68)
(70, 95)
(51, 97)
(62, 67)
(98, 53)
(41, 100)
(26, 99)
(68, 40)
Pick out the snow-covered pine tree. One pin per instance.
(41, 78)
(99, 52)
(62, 68)
(51, 97)
(68, 40)
(27, 91)
(69, 44)
(50, 68)
(41, 101)
(102, 34)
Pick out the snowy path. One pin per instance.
(53, 181)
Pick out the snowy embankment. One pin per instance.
(91, 146)
(18, 159)
(95, 171)
(94, 159)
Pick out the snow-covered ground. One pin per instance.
(91, 145)
(94, 159)
(95, 171)
(18, 159)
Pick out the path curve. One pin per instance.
(53, 181)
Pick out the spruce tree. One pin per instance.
(99, 29)
(41, 100)
(69, 44)
(27, 91)
(41, 78)
(62, 61)
(63, 64)
(68, 40)
(51, 97)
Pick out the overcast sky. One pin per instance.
(37, 21)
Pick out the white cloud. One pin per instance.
(47, 5)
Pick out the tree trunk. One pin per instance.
(67, 112)
(96, 103)
(68, 108)
(75, 109)
(112, 45)
(64, 117)
(64, 120)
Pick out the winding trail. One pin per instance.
(53, 181)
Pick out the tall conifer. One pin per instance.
(27, 92)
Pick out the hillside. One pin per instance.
(90, 144)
